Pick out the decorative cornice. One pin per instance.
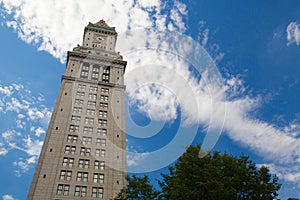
(101, 26)
(70, 78)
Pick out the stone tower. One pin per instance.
(84, 152)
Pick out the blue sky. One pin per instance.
(255, 46)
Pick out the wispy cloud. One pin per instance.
(293, 33)
(50, 27)
(31, 118)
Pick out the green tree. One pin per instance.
(138, 188)
(217, 176)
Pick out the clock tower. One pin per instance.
(84, 151)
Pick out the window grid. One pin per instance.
(102, 113)
(63, 189)
(97, 192)
(68, 162)
(75, 119)
(90, 111)
(80, 94)
(100, 153)
(81, 87)
(87, 130)
(104, 90)
(86, 140)
(101, 142)
(85, 151)
(98, 178)
(102, 122)
(102, 131)
(80, 191)
(70, 149)
(72, 138)
(82, 163)
(78, 102)
(99, 165)
(104, 105)
(65, 175)
(92, 96)
(93, 89)
(77, 110)
(82, 176)
(74, 128)
(103, 98)
(91, 103)
(89, 120)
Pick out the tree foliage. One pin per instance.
(217, 176)
(138, 188)
(214, 176)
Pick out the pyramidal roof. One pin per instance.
(101, 25)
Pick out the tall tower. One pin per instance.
(84, 152)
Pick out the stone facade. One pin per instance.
(84, 152)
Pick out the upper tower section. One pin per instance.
(100, 36)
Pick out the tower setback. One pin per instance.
(84, 152)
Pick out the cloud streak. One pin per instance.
(31, 119)
(293, 33)
(50, 27)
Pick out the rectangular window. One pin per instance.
(99, 165)
(68, 162)
(92, 96)
(81, 87)
(104, 105)
(63, 189)
(78, 102)
(106, 70)
(80, 94)
(97, 192)
(77, 110)
(100, 153)
(84, 71)
(90, 111)
(91, 103)
(103, 98)
(82, 176)
(101, 142)
(72, 138)
(86, 140)
(102, 113)
(93, 88)
(102, 131)
(98, 178)
(95, 73)
(87, 130)
(80, 191)
(95, 76)
(104, 90)
(70, 150)
(102, 122)
(85, 151)
(83, 163)
(65, 175)
(89, 120)
(74, 128)
(75, 119)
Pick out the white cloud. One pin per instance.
(293, 33)
(133, 160)
(51, 27)
(8, 197)
(30, 119)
